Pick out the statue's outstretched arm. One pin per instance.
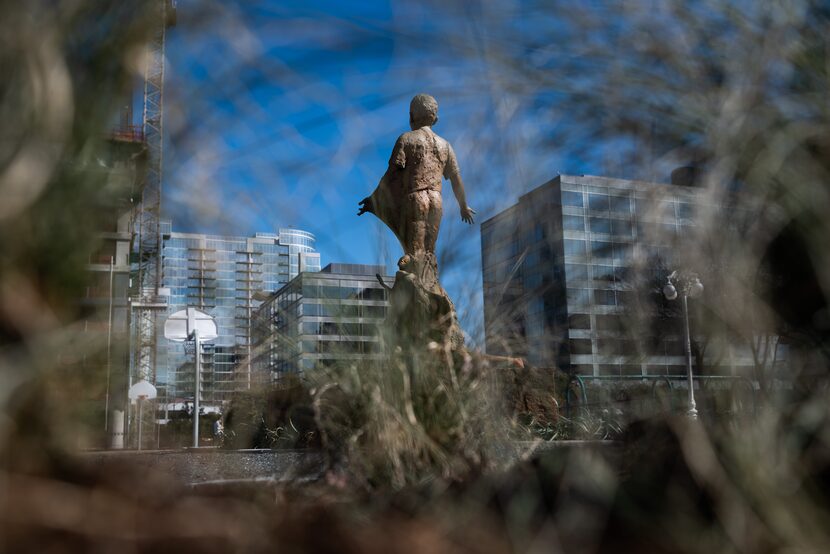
(366, 205)
(452, 173)
(467, 212)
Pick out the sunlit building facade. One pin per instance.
(321, 319)
(226, 277)
(559, 269)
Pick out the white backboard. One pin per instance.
(181, 325)
(143, 389)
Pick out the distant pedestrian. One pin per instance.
(218, 431)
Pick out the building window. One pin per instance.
(373, 294)
(622, 251)
(621, 228)
(571, 198)
(598, 202)
(600, 225)
(580, 346)
(583, 369)
(620, 204)
(617, 347)
(576, 272)
(573, 223)
(605, 297)
(609, 369)
(625, 298)
(665, 209)
(611, 323)
(667, 231)
(601, 249)
(332, 293)
(574, 247)
(579, 321)
(374, 311)
(578, 297)
(604, 273)
(629, 369)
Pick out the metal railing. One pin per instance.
(579, 398)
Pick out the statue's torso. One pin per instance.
(422, 155)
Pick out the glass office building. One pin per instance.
(320, 319)
(226, 277)
(559, 268)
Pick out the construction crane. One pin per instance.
(146, 300)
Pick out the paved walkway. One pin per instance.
(207, 464)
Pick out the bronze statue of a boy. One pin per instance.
(408, 197)
(408, 201)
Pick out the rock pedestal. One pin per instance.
(420, 311)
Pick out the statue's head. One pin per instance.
(423, 111)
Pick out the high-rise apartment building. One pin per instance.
(226, 277)
(559, 272)
(321, 319)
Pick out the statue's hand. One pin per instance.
(467, 214)
(366, 205)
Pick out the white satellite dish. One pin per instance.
(180, 326)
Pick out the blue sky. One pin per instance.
(284, 114)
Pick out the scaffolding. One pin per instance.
(146, 298)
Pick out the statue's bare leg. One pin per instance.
(417, 211)
(433, 220)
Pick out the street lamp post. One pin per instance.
(686, 284)
(198, 388)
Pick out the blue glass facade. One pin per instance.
(319, 319)
(226, 277)
(558, 267)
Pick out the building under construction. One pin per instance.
(123, 300)
(144, 271)
(120, 166)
